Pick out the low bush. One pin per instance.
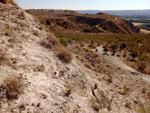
(12, 87)
(105, 50)
(92, 45)
(22, 14)
(125, 90)
(122, 46)
(48, 22)
(64, 55)
(2, 57)
(141, 66)
(113, 48)
(63, 41)
(134, 54)
(50, 43)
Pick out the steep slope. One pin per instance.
(47, 84)
(34, 80)
(99, 23)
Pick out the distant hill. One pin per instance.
(126, 14)
(68, 20)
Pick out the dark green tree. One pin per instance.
(113, 49)
(134, 55)
(48, 22)
(105, 49)
(122, 46)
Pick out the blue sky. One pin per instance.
(85, 4)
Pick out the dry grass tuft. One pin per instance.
(88, 65)
(12, 2)
(36, 33)
(9, 61)
(12, 40)
(125, 91)
(2, 57)
(8, 32)
(41, 68)
(143, 109)
(50, 43)
(128, 104)
(64, 55)
(12, 87)
(22, 15)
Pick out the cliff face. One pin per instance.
(33, 79)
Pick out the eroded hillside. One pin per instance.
(36, 77)
(66, 20)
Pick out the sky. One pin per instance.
(85, 4)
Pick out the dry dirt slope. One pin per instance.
(34, 80)
(65, 20)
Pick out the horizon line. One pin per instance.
(87, 9)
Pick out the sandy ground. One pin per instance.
(145, 31)
(117, 61)
(138, 24)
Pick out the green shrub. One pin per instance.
(63, 41)
(125, 90)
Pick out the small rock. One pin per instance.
(55, 73)
(22, 107)
(103, 111)
(38, 105)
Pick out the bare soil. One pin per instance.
(73, 21)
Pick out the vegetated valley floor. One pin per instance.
(143, 29)
(39, 75)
